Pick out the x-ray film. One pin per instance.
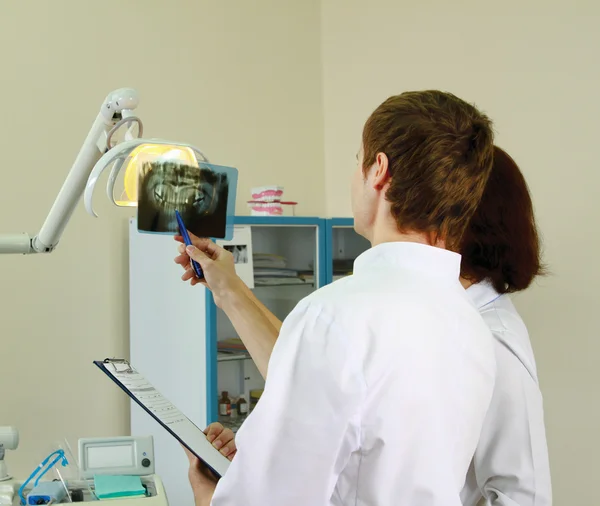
(204, 195)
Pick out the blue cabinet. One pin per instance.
(314, 251)
(343, 246)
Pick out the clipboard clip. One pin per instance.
(114, 361)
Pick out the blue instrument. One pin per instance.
(188, 242)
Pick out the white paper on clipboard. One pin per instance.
(241, 248)
(166, 414)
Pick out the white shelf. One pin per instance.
(340, 276)
(273, 282)
(229, 357)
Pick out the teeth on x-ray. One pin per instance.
(177, 196)
(199, 194)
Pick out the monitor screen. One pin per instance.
(99, 457)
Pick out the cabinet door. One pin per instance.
(344, 245)
(288, 264)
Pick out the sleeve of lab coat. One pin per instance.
(300, 435)
(511, 461)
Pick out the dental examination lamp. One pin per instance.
(9, 440)
(100, 150)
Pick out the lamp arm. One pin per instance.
(118, 103)
(71, 190)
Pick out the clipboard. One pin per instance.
(166, 414)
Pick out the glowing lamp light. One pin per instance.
(151, 153)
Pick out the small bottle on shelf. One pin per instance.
(224, 405)
(255, 397)
(242, 406)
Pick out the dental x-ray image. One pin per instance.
(239, 252)
(199, 194)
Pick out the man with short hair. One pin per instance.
(379, 383)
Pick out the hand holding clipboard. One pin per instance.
(165, 413)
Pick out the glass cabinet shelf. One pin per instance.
(229, 357)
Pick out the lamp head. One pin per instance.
(129, 160)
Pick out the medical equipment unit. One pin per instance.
(117, 468)
(128, 455)
(9, 440)
(100, 150)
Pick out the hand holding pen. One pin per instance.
(188, 242)
(216, 263)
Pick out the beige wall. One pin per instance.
(534, 67)
(239, 79)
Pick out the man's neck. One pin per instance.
(395, 236)
(386, 230)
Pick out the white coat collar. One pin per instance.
(482, 294)
(412, 256)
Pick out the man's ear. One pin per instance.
(380, 170)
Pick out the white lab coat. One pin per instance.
(376, 394)
(511, 466)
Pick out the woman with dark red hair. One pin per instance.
(501, 255)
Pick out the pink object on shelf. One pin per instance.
(261, 208)
(267, 193)
(266, 209)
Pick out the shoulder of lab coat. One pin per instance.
(301, 424)
(507, 326)
(511, 465)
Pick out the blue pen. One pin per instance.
(188, 242)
